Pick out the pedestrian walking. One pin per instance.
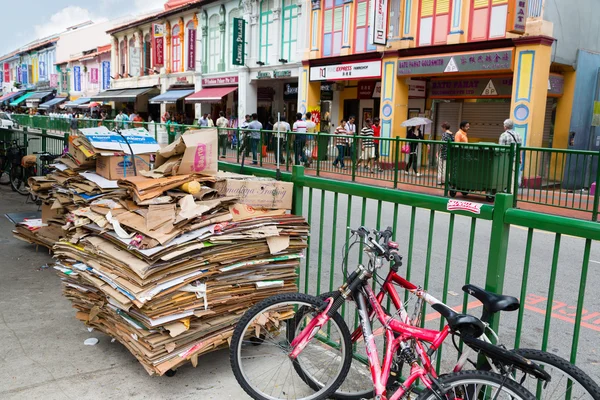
(508, 138)
(73, 123)
(416, 134)
(376, 135)
(222, 123)
(447, 136)
(341, 143)
(282, 130)
(311, 128)
(299, 129)
(255, 127)
(367, 146)
(351, 131)
(242, 138)
(203, 122)
(209, 119)
(462, 134)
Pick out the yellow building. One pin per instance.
(483, 61)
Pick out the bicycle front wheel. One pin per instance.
(568, 381)
(478, 385)
(261, 344)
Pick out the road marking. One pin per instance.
(435, 315)
(561, 312)
(595, 262)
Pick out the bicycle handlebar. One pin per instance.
(380, 243)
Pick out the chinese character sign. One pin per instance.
(93, 75)
(105, 75)
(191, 64)
(517, 16)
(77, 78)
(6, 72)
(380, 22)
(158, 33)
(239, 42)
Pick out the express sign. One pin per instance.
(345, 72)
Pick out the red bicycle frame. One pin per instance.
(396, 333)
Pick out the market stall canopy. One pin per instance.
(54, 102)
(171, 96)
(211, 94)
(38, 96)
(9, 96)
(77, 103)
(122, 95)
(21, 99)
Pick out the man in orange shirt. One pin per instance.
(461, 135)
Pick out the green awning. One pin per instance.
(21, 99)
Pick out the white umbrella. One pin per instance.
(416, 121)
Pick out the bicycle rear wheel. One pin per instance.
(261, 345)
(568, 381)
(478, 385)
(18, 178)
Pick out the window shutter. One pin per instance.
(426, 8)
(442, 7)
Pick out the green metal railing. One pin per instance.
(550, 177)
(497, 246)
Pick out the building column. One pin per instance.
(409, 15)
(562, 124)
(221, 65)
(114, 59)
(140, 36)
(314, 40)
(459, 21)
(168, 46)
(182, 45)
(530, 88)
(309, 93)
(394, 101)
(247, 94)
(275, 53)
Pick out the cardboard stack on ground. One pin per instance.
(165, 272)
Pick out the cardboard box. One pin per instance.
(118, 167)
(79, 153)
(199, 150)
(49, 212)
(260, 193)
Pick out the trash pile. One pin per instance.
(166, 260)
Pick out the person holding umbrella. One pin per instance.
(416, 133)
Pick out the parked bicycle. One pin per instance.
(27, 167)
(5, 162)
(314, 346)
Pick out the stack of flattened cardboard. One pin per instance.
(170, 292)
(165, 271)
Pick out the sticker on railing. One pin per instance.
(461, 205)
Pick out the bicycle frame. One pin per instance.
(405, 332)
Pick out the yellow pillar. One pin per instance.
(309, 93)
(562, 123)
(394, 102)
(530, 88)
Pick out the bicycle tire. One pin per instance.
(470, 380)
(573, 372)
(248, 318)
(18, 181)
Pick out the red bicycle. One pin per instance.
(292, 346)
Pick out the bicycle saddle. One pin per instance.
(492, 302)
(466, 325)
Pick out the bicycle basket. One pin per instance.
(29, 161)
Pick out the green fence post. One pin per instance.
(449, 163)
(44, 139)
(239, 144)
(597, 192)
(517, 173)
(66, 138)
(298, 193)
(496, 267)
(396, 160)
(260, 146)
(317, 143)
(288, 142)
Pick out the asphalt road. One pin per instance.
(42, 353)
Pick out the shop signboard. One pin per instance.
(471, 88)
(380, 22)
(191, 64)
(220, 81)
(366, 89)
(93, 75)
(105, 75)
(77, 78)
(263, 75)
(158, 39)
(516, 19)
(290, 91)
(346, 72)
(416, 88)
(282, 74)
(239, 42)
(134, 61)
(54, 80)
(482, 61)
(326, 91)
(556, 85)
(24, 71)
(6, 72)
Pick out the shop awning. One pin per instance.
(171, 96)
(9, 96)
(54, 102)
(211, 94)
(21, 99)
(76, 103)
(122, 95)
(38, 96)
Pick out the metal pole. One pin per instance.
(278, 175)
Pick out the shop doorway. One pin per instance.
(351, 107)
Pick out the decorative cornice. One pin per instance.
(532, 40)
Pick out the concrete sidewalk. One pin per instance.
(42, 355)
